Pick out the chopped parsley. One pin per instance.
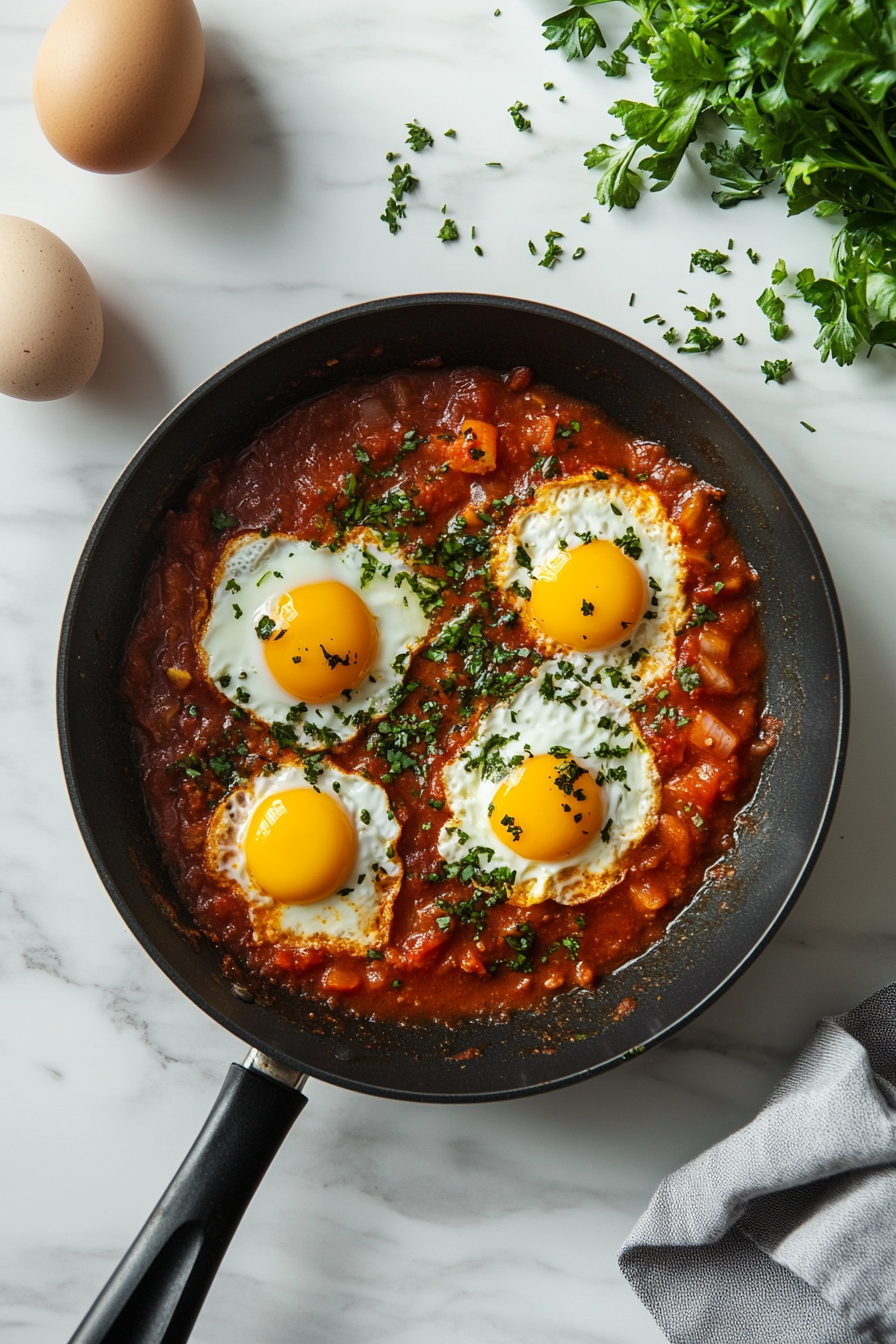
(553, 250)
(629, 543)
(522, 944)
(699, 341)
(688, 678)
(418, 137)
(714, 262)
(776, 370)
(772, 305)
(516, 832)
(221, 521)
(516, 111)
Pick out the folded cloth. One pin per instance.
(785, 1233)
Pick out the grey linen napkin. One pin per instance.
(786, 1231)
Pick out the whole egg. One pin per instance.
(116, 84)
(51, 323)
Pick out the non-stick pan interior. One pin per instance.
(729, 919)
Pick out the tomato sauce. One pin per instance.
(305, 476)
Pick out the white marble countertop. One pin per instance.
(383, 1221)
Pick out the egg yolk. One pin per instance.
(324, 642)
(300, 846)
(589, 596)
(547, 808)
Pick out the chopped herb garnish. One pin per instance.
(772, 305)
(714, 262)
(776, 370)
(699, 342)
(221, 521)
(419, 137)
(516, 111)
(629, 543)
(553, 249)
(688, 678)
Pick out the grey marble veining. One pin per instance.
(379, 1221)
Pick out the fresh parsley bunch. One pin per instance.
(811, 87)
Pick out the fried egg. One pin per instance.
(315, 638)
(559, 785)
(315, 861)
(596, 570)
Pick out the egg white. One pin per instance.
(351, 922)
(233, 652)
(582, 505)
(586, 723)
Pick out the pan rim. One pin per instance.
(690, 386)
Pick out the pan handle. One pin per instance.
(158, 1290)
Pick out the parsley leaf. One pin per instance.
(811, 87)
(574, 32)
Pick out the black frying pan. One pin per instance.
(158, 1290)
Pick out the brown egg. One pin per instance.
(116, 82)
(51, 323)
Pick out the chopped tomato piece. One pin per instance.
(342, 979)
(692, 512)
(710, 734)
(519, 378)
(649, 892)
(699, 785)
(698, 559)
(419, 948)
(676, 837)
(539, 432)
(472, 963)
(736, 616)
(475, 448)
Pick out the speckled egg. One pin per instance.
(116, 84)
(51, 323)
